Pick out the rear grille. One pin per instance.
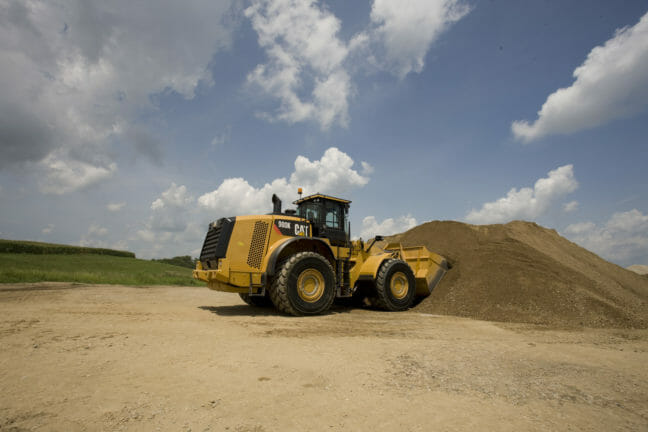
(255, 255)
(211, 241)
(217, 239)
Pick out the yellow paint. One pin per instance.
(399, 285)
(235, 274)
(310, 285)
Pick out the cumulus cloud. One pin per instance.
(174, 197)
(62, 175)
(332, 174)
(115, 207)
(170, 209)
(98, 230)
(403, 31)
(173, 227)
(303, 50)
(527, 203)
(570, 207)
(96, 236)
(622, 239)
(610, 84)
(76, 76)
(177, 226)
(367, 169)
(308, 68)
(371, 227)
(236, 196)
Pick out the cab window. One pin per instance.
(309, 211)
(333, 217)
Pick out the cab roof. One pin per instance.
(319, 195)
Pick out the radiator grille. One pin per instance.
(217, 239)
(257, 244)
(211, 242)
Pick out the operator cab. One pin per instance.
(328, 216)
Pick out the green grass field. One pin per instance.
(90, 268)
(31, 247)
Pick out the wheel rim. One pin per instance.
(399, 285)
(310, 285)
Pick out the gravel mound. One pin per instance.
(639, 269)
(522, 272)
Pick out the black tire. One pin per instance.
(395, 286)
(316, 292)
(259, 301)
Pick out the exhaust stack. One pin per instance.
(276, 204)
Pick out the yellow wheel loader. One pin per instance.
(301, 260)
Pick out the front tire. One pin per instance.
(395, 286)
(304, 285)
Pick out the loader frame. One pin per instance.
(293, 257)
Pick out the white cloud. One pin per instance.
(580, 228)
(367, 169)
(570, 207)
(77, 75)
(95, 236)
(172, 228)
(371, 227)
(48, 229)
(170, 210)
(115, 207)
(332, 174)
(622, 239)
(303, 50)
(309, 67)
(96, 229)
(61, 175)
(610, 84)
(236, 196)
(174, 197)
(403, 31)
(527, 203)
(177, 226)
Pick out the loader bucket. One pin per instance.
(427, 266)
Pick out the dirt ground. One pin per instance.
(77, 357)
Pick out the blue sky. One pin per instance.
(123, 125)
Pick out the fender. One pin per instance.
(369, 268)
(303, 244)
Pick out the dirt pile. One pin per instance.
(522, 272)
(639, 269)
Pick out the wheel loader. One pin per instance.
(302, 259)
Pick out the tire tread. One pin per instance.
(381, 299)
(279, 285)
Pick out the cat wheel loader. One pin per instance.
(302, 259)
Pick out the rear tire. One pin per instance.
(395, 286)
(303, 285)
(259, 301)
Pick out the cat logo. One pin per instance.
(300, 229)
(290, 228)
